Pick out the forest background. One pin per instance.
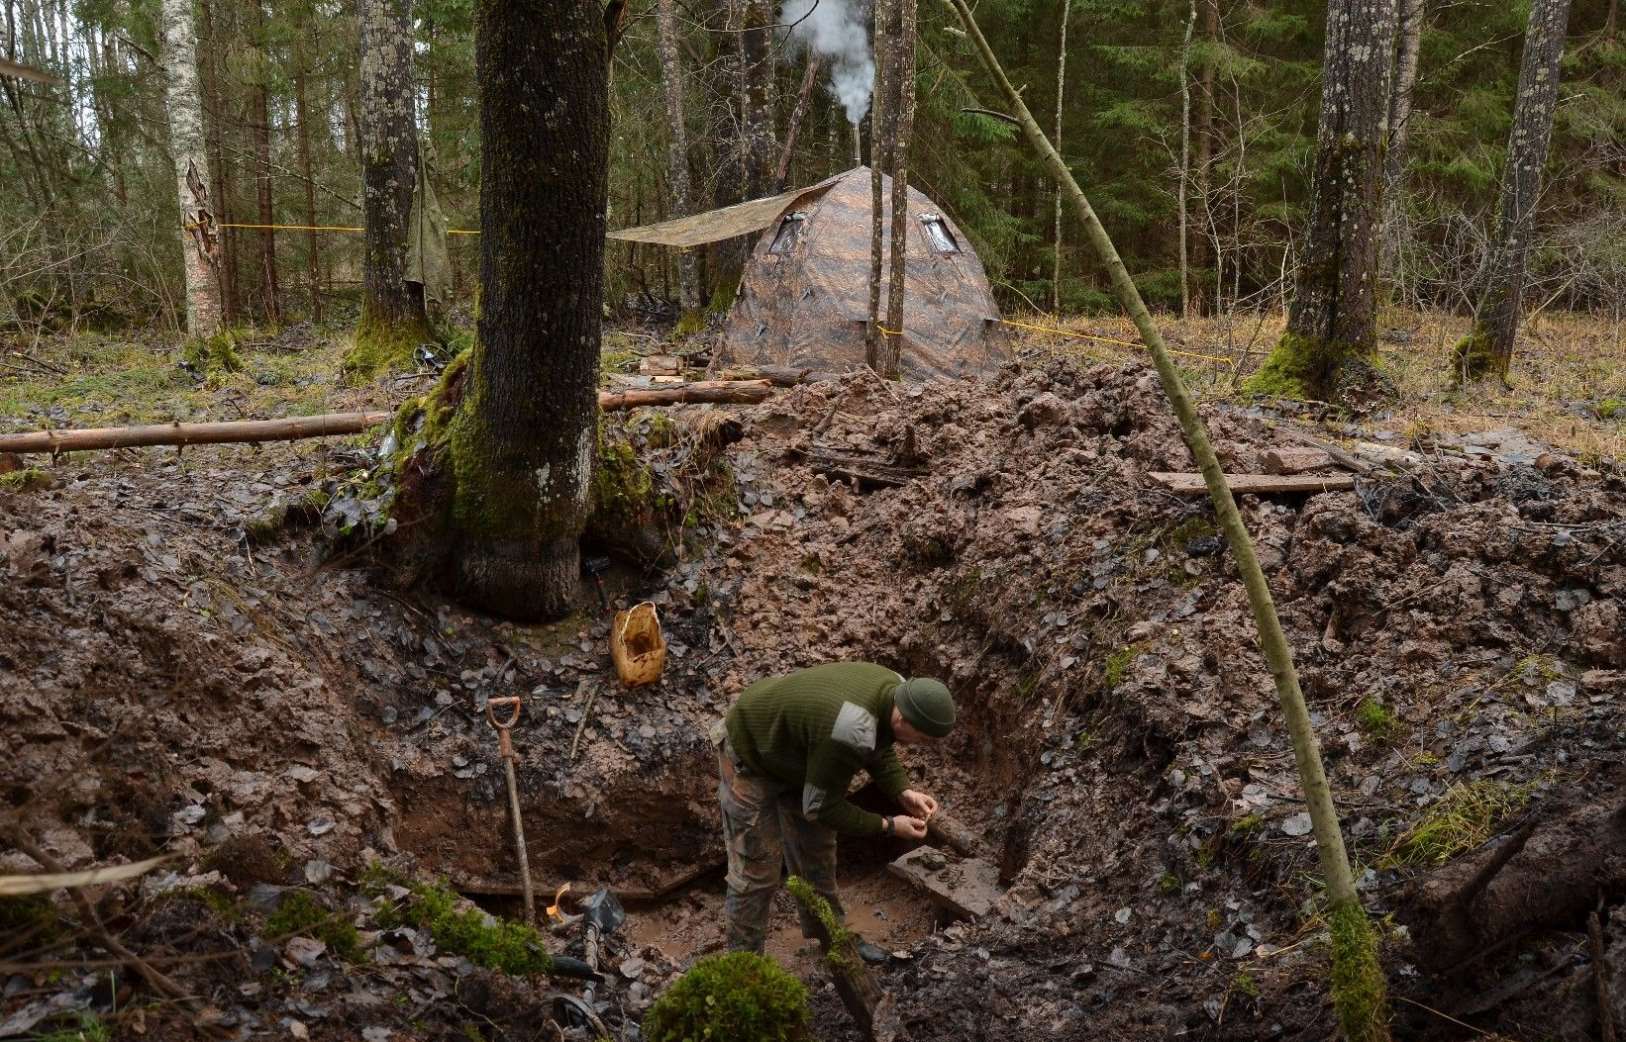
(87, 211)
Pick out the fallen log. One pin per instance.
(778, 375)
(1294, 460)
(1256, 484)
(871, 1006)
(1546, 875)
(726, 392)
(298, 427)
(866, 470)
(233, 431)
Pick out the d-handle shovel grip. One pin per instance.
(511, 701)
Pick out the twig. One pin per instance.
(587, 714)
(158, 980)
(1442, 1016)
(1600, 976)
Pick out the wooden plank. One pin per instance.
(1256, 484)
(1294, 460)
(966, 886)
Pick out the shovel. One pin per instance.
(505, 748)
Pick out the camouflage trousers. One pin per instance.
(763, 829)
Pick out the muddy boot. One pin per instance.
(873, 954)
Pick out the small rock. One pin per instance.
(631, 968)
(319, 826)
(303, 951)
(1297, 825)
(317, 871)
(1122, 915)
(301, 774)
(296, 1028)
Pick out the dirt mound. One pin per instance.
(166, 683)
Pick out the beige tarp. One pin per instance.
(717, 225)
(427, 261)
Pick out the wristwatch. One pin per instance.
(887, 828)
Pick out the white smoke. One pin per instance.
(834, 30)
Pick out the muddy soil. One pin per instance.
(177, 677)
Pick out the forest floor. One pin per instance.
(185, 668)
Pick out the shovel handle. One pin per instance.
(511, 701)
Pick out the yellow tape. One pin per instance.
(323, 228)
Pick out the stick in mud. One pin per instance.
(871, 1006)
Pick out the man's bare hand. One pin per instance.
(918, 804)
(909, 828)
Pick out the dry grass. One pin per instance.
(1568, 381)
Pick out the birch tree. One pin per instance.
(1332, 323)
(393, 320)
(199, 247)
(677, 143)
(902, 80)
(1487, 350)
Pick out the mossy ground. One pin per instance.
(28, 479)
(380, 346)
(1377, 721)
(1466, 816)
(300, 914)
(461, 929)
(1360, 993)
(1117, 665)
(735, 997)
(88, 1027)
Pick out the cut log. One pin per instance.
(871, 1006)
(867, 470)
(1255, 484)
(234, 431)
(778, 375)
(966, 887)
(1294, 461)
(727, 392)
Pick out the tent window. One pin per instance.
(938, 234)
(790, 231)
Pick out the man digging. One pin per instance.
(787, 752)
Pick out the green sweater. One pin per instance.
(814, 729)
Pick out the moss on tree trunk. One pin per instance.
(384, 341)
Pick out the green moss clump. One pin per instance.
(1118, 663)
(1196, 527)
(1474, 357)
(1610, 408)
(736, 997)
(623, 485)
(1303, 367)
(301, 914)
(1168, 883)
(381, 345)
(1376, 720)
(1359, 992)
(497, 944)
(820, 909)
(1244, 984)
(690, 323)
(1246, 824)
(722, 298)
(27, 479)
(1465, 817)
(33, 915)
(214, 353)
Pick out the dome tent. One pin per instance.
(803, 299)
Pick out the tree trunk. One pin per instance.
(902, 83)
(1185, 159)
(804, 101)
(521, 444)
(878, 161)
(1358, 986)
(1204, 146)
(199, 248)
(757, 97)
(1408, 38)
(262, 177)
(302, 115)
(219, 170)
(1061, 94)
(677, 143)
(393, 319)
(1488, 349)
(1332, 325)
